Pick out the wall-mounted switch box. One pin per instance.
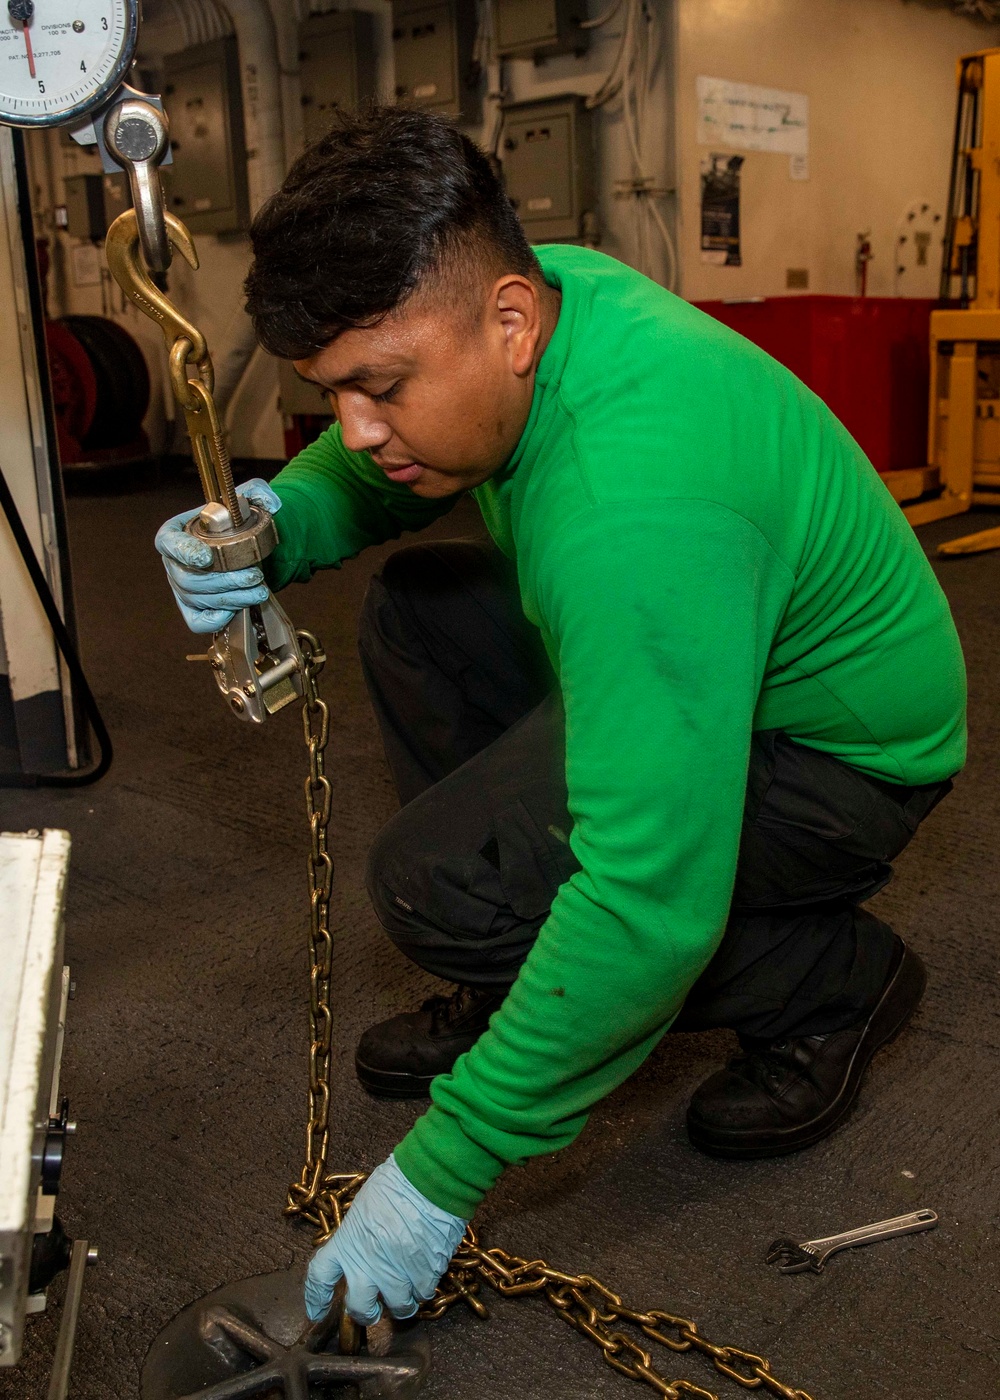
(207, 186)
(337, 66)
(432, 45)
(93, 202)
(85, 215)
(548, 166)
(117, 197)
(540, 28)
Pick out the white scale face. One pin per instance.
(60, 58)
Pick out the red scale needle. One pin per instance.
(23, 11)
(27, 45)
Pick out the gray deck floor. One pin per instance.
(185, 1056)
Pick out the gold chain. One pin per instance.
(321, 1197)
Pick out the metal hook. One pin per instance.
(129, 271)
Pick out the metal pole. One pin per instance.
(82, 1255)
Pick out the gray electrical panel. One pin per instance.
(548, 166)
(540, 28)
(85, 216)
(207, 186)
(117, 197)
(433, 45)
(93, 202)
(337, 64)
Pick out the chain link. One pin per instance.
(321, 1197)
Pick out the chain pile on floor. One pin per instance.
(321, 1197)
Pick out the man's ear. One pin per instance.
(519, 311)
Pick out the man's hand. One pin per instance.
(393, 1242)
(208, 601)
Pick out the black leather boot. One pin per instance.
(398, 1058)
(777, 1097)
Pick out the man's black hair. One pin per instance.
(389, 197)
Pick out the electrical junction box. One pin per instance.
(93, 202)
(337, 65)
(85, 217)
(433, 46)
(117, 197)
(548, 166)
(540, 28)
(207, 186)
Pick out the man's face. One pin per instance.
(437, 396)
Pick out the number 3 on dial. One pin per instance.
(60, 59)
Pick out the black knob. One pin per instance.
(52, 1153)
(49, 1256)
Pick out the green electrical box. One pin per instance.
(337, 64)
(548, 167)
(540, 28)
(207, 184)
(433, 47)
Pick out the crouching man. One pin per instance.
(655, 745)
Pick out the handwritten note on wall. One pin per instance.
(752, 118)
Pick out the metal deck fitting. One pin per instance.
(246, 1339)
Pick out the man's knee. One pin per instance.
(442, 902)
(412, 569)
(420, 590)
(388, 873)
(400, 577)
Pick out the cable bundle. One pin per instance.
(629, 81)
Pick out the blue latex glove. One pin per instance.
(209, 600)
(393, 1242)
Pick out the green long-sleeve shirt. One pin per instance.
(706, 552)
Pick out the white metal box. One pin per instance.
(337, 67)
(540, 28)
(548, 167)
(33, 872)
(432, 45)
(207, 185)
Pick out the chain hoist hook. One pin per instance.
(126, 266)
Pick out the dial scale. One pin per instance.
(59, 59)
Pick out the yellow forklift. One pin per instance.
(964, 410)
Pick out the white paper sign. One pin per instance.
(85, 260)
(752, 118)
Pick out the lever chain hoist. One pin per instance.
(256, 659)
(261, 665)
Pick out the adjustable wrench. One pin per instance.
(795, 1256)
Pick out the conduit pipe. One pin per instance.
(286, 24)
(260, 78)
(200, 20)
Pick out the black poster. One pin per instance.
(720, 209)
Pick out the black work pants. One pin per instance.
(462, 878)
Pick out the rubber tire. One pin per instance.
(122, 380)
(74, 384)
